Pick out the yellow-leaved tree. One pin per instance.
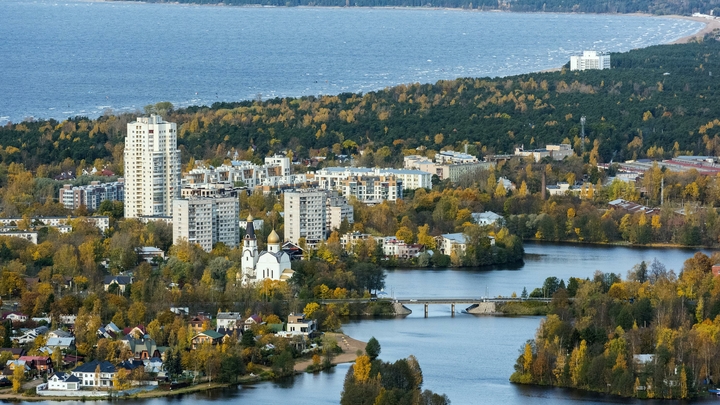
(578, 360)
(361, 369)
(527, 358)
(18, 377)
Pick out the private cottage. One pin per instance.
(63, 382)
(95, 374)
(208, 336)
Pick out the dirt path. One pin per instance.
(348, 345)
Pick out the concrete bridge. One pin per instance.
(475, 305)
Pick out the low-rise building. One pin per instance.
(392, 247)
(150, 254)
(95, 374)
(299, 325)
(228, 321)
(200, 322)
(486, 218)
(251, 321)
(121, 281)
(30, 236)
(563, 189)
(39, 363)
(556, 152)
(455, 242)
(60, 381)
(206, 337)
(631, 207)
(63, 343)
(15, 317)
(143, 348)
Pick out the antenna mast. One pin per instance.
(582, 131)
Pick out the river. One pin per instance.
(62, 58)
(469, 358)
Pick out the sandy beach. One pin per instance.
(348, 345)
(710, 26)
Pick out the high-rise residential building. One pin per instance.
(305, 215)
(337, 209)
(590, 60)
(152, 167)
(207, 220)
(313, 214)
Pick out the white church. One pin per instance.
(272, 264)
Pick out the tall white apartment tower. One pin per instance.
(152, 167)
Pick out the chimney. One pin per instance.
(542, 193)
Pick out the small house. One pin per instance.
(200, 322)
(66, 343)
(252, 321)
(208, 336)
(120, 281)
(15, 317)
(63, 382)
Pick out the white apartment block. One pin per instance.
(29, 236)
(447, 165)
(448, 156)
(337, 209)
(305, 215)
(329, 177)
(60, 223)
(91, 195)
(371, 189)
(275, 172)
(152, 167)
(557, 152)
(207, 221)
(279, 161)
(590, 60)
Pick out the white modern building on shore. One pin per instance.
(590, 60)
(152, 167)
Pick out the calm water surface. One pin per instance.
(61, 58)
(469, 358)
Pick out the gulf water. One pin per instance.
(62, 58)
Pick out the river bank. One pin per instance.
(350, 349)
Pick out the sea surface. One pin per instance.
(62, 58)
(469, 358)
